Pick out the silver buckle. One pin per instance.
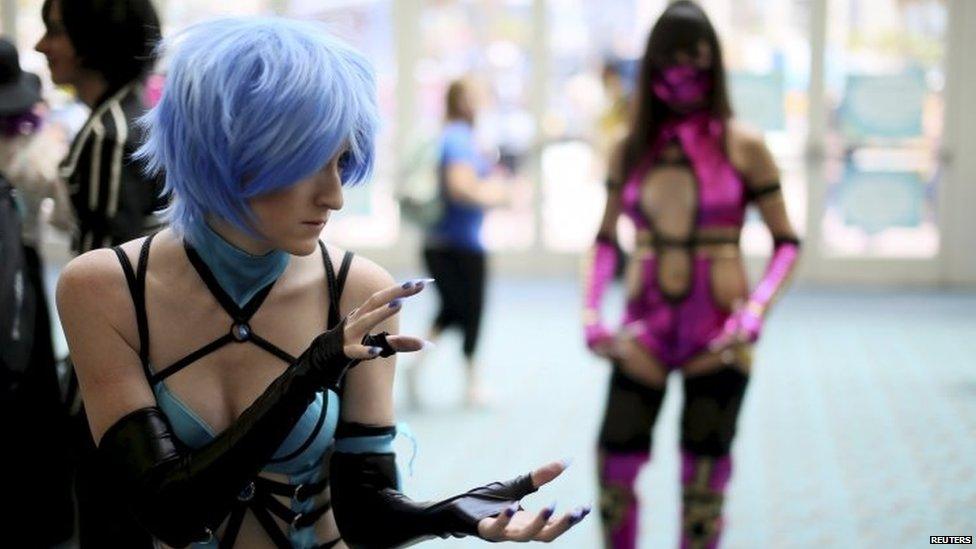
(210, 536)
(297, 490)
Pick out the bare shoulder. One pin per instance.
(365, 278)
(90, 278)
(93, 286)
(748, 151)
(746, 135)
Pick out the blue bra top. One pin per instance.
(302, 453)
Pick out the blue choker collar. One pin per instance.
(239, 273)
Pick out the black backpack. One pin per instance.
(17, 298)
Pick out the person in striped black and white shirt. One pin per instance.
(104, 49)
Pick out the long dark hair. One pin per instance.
(117, 38)
(681, 28)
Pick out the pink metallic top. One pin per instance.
(722, 196)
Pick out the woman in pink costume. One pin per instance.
(684, 176)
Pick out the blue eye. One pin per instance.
(345, 160)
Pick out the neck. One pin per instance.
(238, 238)
(241, 265)
(90, 88)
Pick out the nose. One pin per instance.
(328, 190)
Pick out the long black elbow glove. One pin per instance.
(181, 495)
(371, 513)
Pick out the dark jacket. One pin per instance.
(114, 202)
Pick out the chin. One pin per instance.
(302, 247)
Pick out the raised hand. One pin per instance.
(517, 524)
(379, 307)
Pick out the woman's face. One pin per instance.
(62, 60)
(292, 218)
(700, 57)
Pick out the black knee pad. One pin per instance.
(711, 409)
(632, 409)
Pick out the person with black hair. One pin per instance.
(684, 175)
(104, 49)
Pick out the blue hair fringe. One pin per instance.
(253, 105)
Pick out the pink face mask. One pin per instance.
(682, 86)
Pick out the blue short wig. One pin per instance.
(253, 105)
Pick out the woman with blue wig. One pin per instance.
(236, 371)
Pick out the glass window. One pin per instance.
(766, 46)
(885, 75)
(488, 42)
(594, 48)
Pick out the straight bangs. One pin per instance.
(681, 30)
(251, 106)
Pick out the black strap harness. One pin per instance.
(259, 494)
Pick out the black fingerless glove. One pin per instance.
(181, 495)
(372, 513)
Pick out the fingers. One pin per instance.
(555, 528)
(546, 473)
(361, 352)
(400, 344)
(407, 344)
(494, 528)
(530, 530)
(366, 321)
(398, 291)
(381, 306)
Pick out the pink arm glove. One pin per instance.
(749, 319)
(603, 263)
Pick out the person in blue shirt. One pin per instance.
(453, 251)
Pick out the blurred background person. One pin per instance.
(104, 50)
(36, 425)
(684, 175)
(454, 253)
(866, 107)
(612, 124)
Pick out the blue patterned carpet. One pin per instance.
(859, 428)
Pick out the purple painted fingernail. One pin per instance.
(373, 351)
(396, 303)
(548, 511)
(511, 510)
(407, 285)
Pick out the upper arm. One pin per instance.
(459, 161)
(367, 396)
(615, 183)
(460, 180)
(91, 300)
(762, 178)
